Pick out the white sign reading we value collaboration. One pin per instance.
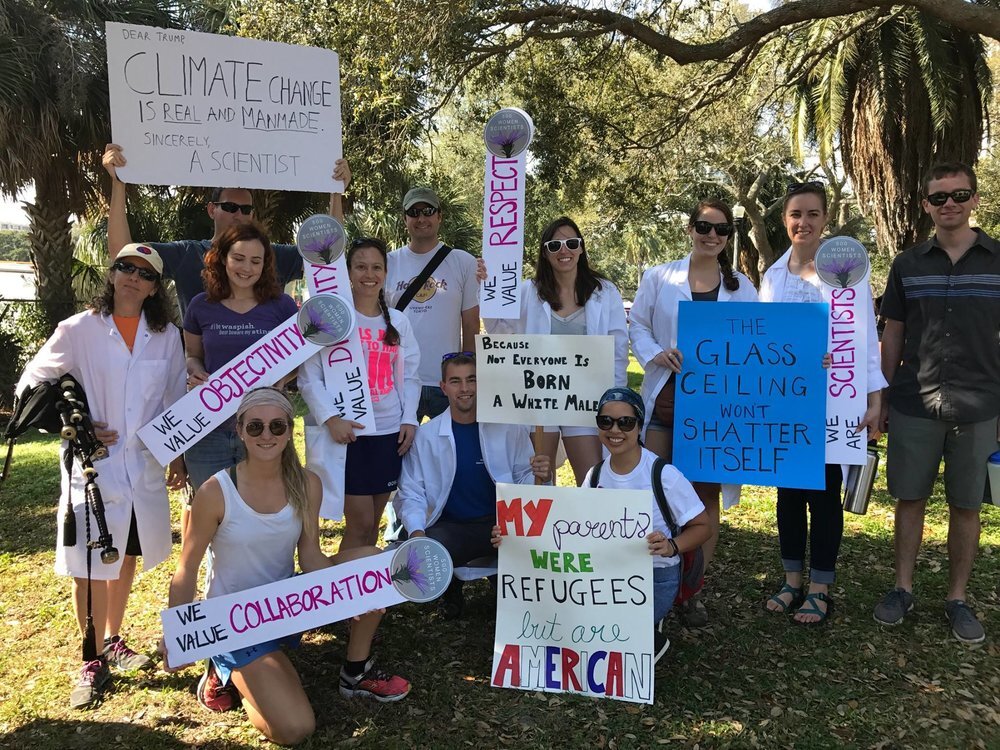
(190, 108)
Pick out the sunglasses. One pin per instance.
(803, 187)
(368, 241)
(415, 212)
(452, 355)
(230, 208)
(554, 246)
(128, 269)
(255, 427)
(625, 424)
(722, 229)
(959, 196)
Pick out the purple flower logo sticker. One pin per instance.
(320, 240)
(421, 569)
(326, 319)
(508, 133)
(842, 262)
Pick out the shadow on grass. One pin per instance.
(55, 733)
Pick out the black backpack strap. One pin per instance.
(595, 474)
(421, 278)
(661, 496)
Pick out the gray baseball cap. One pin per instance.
(420, 195)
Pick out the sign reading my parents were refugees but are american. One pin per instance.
(190, 108)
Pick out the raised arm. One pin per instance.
(119, 234)
(341, 171)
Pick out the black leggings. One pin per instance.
(827, 527)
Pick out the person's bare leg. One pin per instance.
(710, 497)
(359, 519)
(274, 699)
(909, 532)
(378, 508)
(660, 442)
(118, 592)
(99, 607)
(963, 543)
(583, 452)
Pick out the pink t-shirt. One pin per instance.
(387, 403)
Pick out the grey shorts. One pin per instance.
(916, 447)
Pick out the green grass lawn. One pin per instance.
(751, 679)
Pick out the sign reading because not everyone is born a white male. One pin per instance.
(536, 379)
(574, 592)
(190, 108)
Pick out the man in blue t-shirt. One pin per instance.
(447, 490)
(183, 259)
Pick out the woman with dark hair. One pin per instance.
(567, 296)
(127, 357)
(241, 304)
(252, 519)
(706, 274)
(793, 278)
(374, 458)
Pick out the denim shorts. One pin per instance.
(218, 450)
(666, 584)
(226, 662)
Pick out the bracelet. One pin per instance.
(673, 544)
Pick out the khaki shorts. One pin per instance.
(916, 447)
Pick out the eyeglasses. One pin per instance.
(722, 229)
(128, 269)
(554, 246)
(625, 424)
(959, 196)
(230, 208)
(804, 187)
(255, 427)
(415, 212)
(452, 355)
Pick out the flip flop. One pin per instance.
(783, 608)
(809, 606)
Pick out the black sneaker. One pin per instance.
(893, 607)
(660, 644)
(119, 656)
(93, 677)
(964, 625)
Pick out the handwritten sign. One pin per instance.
(265, 362)
(751, 399)
(842, 265)
(574, 592)
(419, 570)
(542, 379)
(508, 135)
(190, 108)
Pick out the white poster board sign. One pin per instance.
(574, 592)
(190, 108)
(539, 379)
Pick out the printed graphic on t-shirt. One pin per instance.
(380, 361)
(428, 290)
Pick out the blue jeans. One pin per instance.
(432, 402)
(218, 450)
(666, 584)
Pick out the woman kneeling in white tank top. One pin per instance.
(251, 519)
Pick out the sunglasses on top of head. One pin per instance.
(803, 187)
(128, 269)
(230, 208)
(625, 424)
(255, 427)
(723, 229)
(959, 196)
(554, 246)
(425, 211)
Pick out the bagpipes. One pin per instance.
(61, 407)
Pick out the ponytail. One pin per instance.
(729, 278)
(391, 337)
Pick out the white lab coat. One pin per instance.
(604, 313)
(327, 458)
(126, 390)
(653, 328)
(429, 467)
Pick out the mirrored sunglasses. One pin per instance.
(959, 196)
(128, 269)
(425, 211)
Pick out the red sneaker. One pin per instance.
(374, 683)
(215, 696)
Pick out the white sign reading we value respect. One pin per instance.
(190, 108)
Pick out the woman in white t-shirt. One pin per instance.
(568, 297)
(374, 458)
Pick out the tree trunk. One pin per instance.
(52, 249)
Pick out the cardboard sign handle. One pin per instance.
(536, 441)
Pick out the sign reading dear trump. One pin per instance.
(190, 108)
(751, 397)
(575, 592)
(538, 379)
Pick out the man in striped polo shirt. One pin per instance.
(941, 356)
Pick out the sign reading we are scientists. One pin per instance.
(574, 592)
(419, 570)
(538, 379)
(751, 397)
(190, 108)
(508, 135)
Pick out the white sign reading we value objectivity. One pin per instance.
(190, 108)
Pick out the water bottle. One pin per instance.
(860, 481)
